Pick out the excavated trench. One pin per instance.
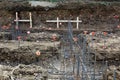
(13, 54)
(95, 17)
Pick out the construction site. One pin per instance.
(59, 40)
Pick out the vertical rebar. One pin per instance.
(106, 70)
(114, 74)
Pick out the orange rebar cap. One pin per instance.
(54, 37)
(104, 47)
(92, 33)
(118, 26)
(28, 32)
(19, 37)
(38, 53)
(75, 39)
(116, 16)
(105, 33)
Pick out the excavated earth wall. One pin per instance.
(102, 17)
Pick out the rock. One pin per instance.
(110, 78)
(112, 68)
(4, 75)
(22, 71)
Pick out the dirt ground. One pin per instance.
(102, 17)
